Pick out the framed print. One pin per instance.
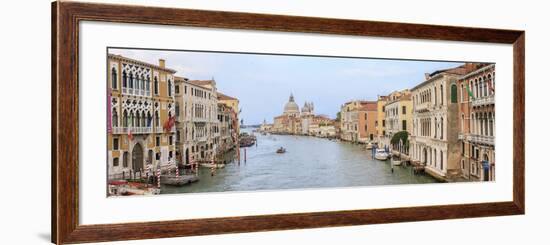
(176, 122)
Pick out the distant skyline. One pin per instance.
(264, 82)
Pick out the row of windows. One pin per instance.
(426, 96)
(426, 127)
(138, 82)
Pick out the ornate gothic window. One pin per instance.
(114, 119)
(113, 78)
(124, 80)
(125, 119)
(131, 81)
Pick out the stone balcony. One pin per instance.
(487, 100)
(134, 130)
(481, 139)
(137, 92)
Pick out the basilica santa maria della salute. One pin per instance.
(292, 121)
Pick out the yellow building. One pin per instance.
(140, 116)
(233, 103)
(380, 123)
(358, 121)
(398, 116)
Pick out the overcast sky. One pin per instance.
(263, 83)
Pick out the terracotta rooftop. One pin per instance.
(369, 106)
(201, 82)
(225, 97)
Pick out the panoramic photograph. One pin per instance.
(181, 121)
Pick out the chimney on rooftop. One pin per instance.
(162, 63)
(427, 76)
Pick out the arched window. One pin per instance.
(442, 97)
(169, 87)
(435, 96)
(143, 119)
(113, 78)
(486, 120)
(462, 123)
(156, 88)
(461, 94)
(142, 82)
(125, 159)
(157, 119)
(138, 120)
(442, 127)
(147, 85)
(131, 81)
(435, 122)
(131, 120)
(441, 160)
(491, 124)
(114, 119)
(453, 93)
(125, 118)
(149, 119)
(124, 80)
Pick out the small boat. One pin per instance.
(369, 146)
(178, 180)
(381, 154)
(281, 150)
(396, 162)
(212, 165)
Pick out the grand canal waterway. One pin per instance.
(309, 162)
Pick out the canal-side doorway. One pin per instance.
(137, 158)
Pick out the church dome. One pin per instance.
(291, 107)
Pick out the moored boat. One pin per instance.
(369, 146)
(381, 154)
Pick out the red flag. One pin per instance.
(130, 135)
(169, 123)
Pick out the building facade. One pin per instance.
(398, 115)
(477, 123)
(140, 116)
(358, 121)
(380, 123)
(434, 139)
(197, 121)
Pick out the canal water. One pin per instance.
(309, 162)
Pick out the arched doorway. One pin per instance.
(137, 158)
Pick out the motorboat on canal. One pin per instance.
(396, 162)
(381, 155)
(281, 150)
(369, 146)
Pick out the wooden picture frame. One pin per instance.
(65, 121)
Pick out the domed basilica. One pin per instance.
(294, 121)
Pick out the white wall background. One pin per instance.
(25, 120)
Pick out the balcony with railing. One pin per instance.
(422, 107)
(481, 139)
(133, 91)
(486, 100)
(134, 130)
